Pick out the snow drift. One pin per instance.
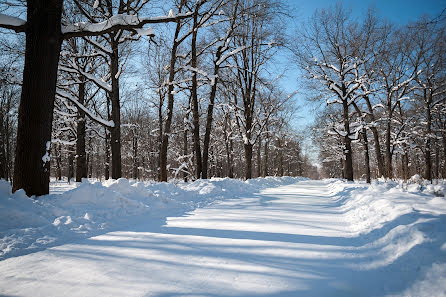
(92, 208)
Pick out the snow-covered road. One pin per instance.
(294, 240)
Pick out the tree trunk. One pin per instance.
(366, 155)
(194, 97)
(427, 151)
(81, 161)
(70, 167)
(248, 160)
(437, 160)
(388, 153)
(135, 157)
(209, 119)
(107, 155)
(185, 144)
(170, 98)
(348, 163)
(116, 110)
(379, 156)
(43, 42)
(259, 158)
(58, 163)
(266, 155)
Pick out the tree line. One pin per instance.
(90, 90)
(384, 91)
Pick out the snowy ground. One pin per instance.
(265, 237)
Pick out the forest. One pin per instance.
(161, 90)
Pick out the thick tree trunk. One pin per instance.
(348, 163)
(388, 153)
(43, 42)
(248, 160)
(280, 146)
(379, 156)
(116, 111)
(366, 155)
(194, 97)
(70, 167)
(266, 156)
(107, 155)
(209, 119)
(81, 161)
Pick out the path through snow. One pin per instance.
(295, 240)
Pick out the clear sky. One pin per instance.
(396, 11)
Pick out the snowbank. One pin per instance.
(394, 221)
(93, 208)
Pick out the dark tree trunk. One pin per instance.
(70, 167)
(405, 165)
(3, 163)
(185, 144)
(437, 160)
(107, 155)
(366, 155)
(379, 156)
(427, 150)
(135, 156)
(194, 97)
(58, 163)
(248, 160)
(348, 163)
(388, 153)
(81, 161)
(43, 42)
(209, 119)
(266, 156)
(160, 135)
(116, 111)
(170, 101)
(259, 157)
(280, 146)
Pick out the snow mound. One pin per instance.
(92, 208)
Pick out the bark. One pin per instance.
(70, 167)
(259, 158)
(209, 119)
(185, 144)
(379, 156)
(116, 110)
(58, 163)
(43, 42)
(266, 156)
(170, 101)
(135, 156)
(81, 161)
(348, 162)
(427, 150)
(366, 155)
(437, 160)
(248, 160)
(388, 152)
(194, 97)
(405, 165)
(107, 156)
